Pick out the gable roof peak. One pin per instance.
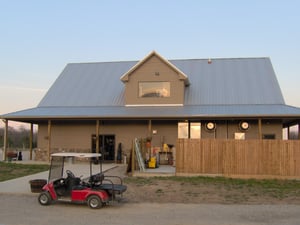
(125, 77)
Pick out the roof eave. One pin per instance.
(182, 76)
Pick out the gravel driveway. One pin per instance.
(24, 209)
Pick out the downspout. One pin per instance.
(215, 131)
(97, 137)
(227, 130)
(259, 129)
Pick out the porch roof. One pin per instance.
(166, 112)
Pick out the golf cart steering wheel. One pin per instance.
(70, 174)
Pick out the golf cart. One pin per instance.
(96, 189)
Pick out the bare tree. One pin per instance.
(18, 138)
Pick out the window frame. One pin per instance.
(159, 91)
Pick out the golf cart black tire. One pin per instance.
(44, 198)
(94, 202)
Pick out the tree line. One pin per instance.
(18, 138)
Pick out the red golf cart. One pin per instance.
(96, 190)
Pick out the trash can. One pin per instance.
(37, 185)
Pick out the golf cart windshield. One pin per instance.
(58, 161)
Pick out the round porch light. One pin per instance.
(210, 126)
(244, 125)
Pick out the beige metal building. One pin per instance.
(97, 106)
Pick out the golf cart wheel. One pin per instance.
(94, 202)
(44, 198)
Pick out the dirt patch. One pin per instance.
(173, 191)
(208, 190)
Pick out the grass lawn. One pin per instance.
(10, 170)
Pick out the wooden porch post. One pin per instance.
(49, 140)
(133, 158)
(189, 129)
(5, 139)
(259, 129)
(150, 128)
(97, 137)
(30, 141)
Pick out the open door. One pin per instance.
(107, 145)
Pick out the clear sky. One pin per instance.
(38, 38)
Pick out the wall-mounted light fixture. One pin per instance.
(243, 125)
(210, 126)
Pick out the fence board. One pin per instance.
(277, 158)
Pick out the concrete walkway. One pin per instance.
(22, 186)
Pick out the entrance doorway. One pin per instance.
(106, 146)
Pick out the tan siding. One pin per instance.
(233, 127)
(166, 133)
(41, 138)
(146, 72)
(79, 136)
(67, 136)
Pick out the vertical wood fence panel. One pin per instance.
(245, 158)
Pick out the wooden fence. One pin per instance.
(239, 158)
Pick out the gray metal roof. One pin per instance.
(240, 87)
(224, 81)
(88, 84)
(231, 81)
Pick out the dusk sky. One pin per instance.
(38, 38)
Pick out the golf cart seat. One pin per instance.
(96, 179)
(100, 181)
(71, 181)
(113, 188)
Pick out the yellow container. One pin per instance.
(166, 147)
(153, 159)
(151, 164)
